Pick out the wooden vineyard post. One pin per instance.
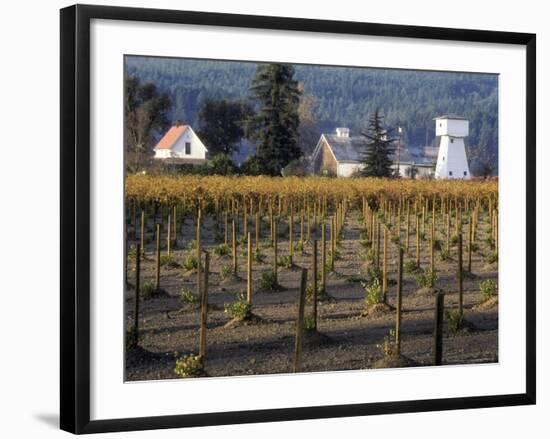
(323, 259)
(290, 242)
(432, 243)
(470, 235)
(332, 243)
(399, 300)
(234, 246)
(275, 268)
(157, 262)
(245, 221)
(257, 231)
(448, 231)
(168, 236)
(385, 266)
(314, 282)
(417, 242)
(308, 225)
(407, 229)
(438, 328)
(378, 245)
(226, 229)
(460, 290)
(136, 304)
(142, 234)
(204, 310)
(199, 254)
(300, 322)
(175, 221)
(249, 270)
(302, 230)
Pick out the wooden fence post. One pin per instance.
(385, 267)
(315, 284)
(249, 270)
(157, 275)
(438, 328)
(204, 309)
(399, 300)
(136, 304)
(300, 322)
(199, 254)
(234, 245)
(460, 289)
(275, 244)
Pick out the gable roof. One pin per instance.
(171, 137)
(351, 149)
(450, 116)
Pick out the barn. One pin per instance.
(181, 145)
(339, 154)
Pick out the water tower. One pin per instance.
(451, 159)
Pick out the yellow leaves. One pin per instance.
(191, 188)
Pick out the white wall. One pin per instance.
(451, 127)
(452, 162)
(198, 150)
(29, 323)
(348, 169)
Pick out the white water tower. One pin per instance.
(451, 160)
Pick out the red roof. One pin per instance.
(171, 137)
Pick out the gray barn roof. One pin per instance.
(352, 149)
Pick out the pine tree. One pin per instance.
(376, 159)
(275, 125)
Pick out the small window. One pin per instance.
(450, 173)
(187, 148)
(443, 158)
(452, 140)
(465, 173)
(440, 124)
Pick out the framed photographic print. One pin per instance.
(268, 218)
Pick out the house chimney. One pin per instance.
(178, 123)
(342, 132)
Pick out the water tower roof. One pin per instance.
(450, 116)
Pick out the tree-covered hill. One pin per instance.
(342, 96)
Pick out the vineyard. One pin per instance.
(254, 275)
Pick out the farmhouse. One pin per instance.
(180, 145)
(340, 154)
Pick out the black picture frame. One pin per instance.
(75, 217)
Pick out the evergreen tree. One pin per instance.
(275, 125)
(376, 159)
(221, 125)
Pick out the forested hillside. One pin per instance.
(342, 96)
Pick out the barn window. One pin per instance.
(465, 173)
(443, 158)
(187, 148)
(450, 173)
(452, 140)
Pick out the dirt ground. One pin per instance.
(169, 327)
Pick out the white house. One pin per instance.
(180, 145)
(451, 159)
(340, 154)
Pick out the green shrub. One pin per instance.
(146, 290)
(222, 250)
(258, 256)
(188, 366)
(309, 323)
(388, 348)
(191, 245)
(426, 279)
(373, 292)
(284, 261)
(489, 241)
(374, 273)
(454, 320)
(438, 244)
(444, 255)
(268, 281)
(395, 239)
(190, 262)
(370, 255)
(492, 258)
(166, 259)
(411, 267)
(299, 247)
(487, 289)
(187, 296)
(240, 309)
(454, 239)
(226, 271)
(132, 253)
